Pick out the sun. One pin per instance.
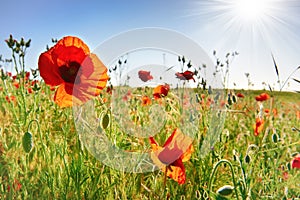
(251, 10)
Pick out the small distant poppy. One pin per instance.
(27, 75)
(296, 162)
(16, 84)
(146, 101)
(267, 111)
(177, 149)
(10, 98)
(29, 90)
(79, 74)
(262, 97)
(187, 75)
(16, 186)
(145, 75)
(161, 91)
(240, 95)
(258, 126)
(127, 96)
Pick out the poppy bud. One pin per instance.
(105, 121)
(275, 137)
(295, 154)
(17, 49)
(189, 65)
(22, 42)
(27, 142)
(183, 59)
(234, 98)
(229, 100)
(27, 44)
(225, 190)
(247, 159)
(10, 42)
(288, 165)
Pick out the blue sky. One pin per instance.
(213, 24)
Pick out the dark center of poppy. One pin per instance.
(69, 72)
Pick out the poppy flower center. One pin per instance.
(69, 72)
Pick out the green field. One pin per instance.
(59, 167)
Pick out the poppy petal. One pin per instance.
(177, 172)
(71, 41)
(62, 98)
(48, 70)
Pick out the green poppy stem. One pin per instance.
(214, 172)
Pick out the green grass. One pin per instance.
(60, 167)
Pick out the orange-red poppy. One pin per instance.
(16, 186)
(262, 97)
(145, 75)
(79, 74)
(29, 90)
(127, 96)
(8, 74)
(10, 98)
(187, 75)
(258, 126)
(240, 95)
(296, 162)
(146, 101)
(177, 149)
(27, 75)
(161, 91)
(16, 84)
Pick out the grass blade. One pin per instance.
(298, 81)
(275, 65)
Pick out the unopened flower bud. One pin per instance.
(27, 44)
(275, 137)
(247, 159)
(225, 190)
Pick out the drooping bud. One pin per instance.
(247, 159)
(225, 190)
(27, 142)
(275, 137)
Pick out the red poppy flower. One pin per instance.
(16, 84)
(10, 99)
(296, 162)
(127, 96)
(29, 90)
(187, 75)
(262, 97)
(177, 149)
(161, 91)
(27, 75)
(16, 186)
(267, 111)
(240, 95)
(258, 126)
(146, 101)
(79, 74)
(145, 75)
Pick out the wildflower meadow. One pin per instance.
(67, 131)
